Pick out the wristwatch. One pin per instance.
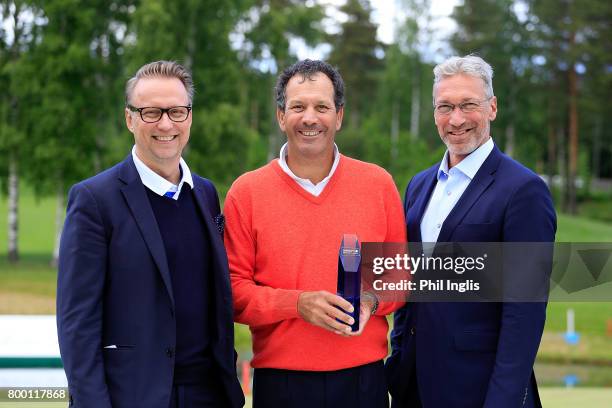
(374, 299)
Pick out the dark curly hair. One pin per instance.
(308, 69)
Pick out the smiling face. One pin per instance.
(159, 145)
(310, 119)
(462, 133)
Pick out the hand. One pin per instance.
(365, 311)
(321, 309)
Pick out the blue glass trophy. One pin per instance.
(349, 274)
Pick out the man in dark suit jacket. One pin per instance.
(470, 354)
(144, 309)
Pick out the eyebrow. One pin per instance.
(319, 102)
(462, 101)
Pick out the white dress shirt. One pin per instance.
(449, 188)
(157, 183)
(314, 189)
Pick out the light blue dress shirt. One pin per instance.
(449, 188)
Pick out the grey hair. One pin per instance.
(163, 69)
(471, 65)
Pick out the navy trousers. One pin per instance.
(357, 387)
(198, 396)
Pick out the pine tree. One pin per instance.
(357, 54)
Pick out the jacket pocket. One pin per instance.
(121, 374)
(119, 347)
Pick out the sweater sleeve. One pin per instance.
(396, 232)
(254, 304)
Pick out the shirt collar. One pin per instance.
(472, 162)
(157, 183)
(282, 161)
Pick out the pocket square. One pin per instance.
(219, 220)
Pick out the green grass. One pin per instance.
(577, 229)
(591, 318)
(36, 225)
(597, 207)
(575, 397)
(27, 287)
(28, 276)
(242, 338)
(554, 374)
(592, 351)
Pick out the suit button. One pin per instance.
(169, 352)
(412, 331)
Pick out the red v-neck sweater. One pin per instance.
(282, 240)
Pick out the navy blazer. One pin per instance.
(114, 288)
(473, 354)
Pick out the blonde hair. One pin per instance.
(164, 69)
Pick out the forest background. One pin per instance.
(64, 63)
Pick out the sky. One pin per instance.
(386, 10)
(386, 14)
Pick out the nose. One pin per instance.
(456, 117)
(309, 117)
(165, 122)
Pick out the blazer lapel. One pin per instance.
(482, 180)
(416, 212)
(136, 198)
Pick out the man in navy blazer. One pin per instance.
(470, 354)
(144, 309)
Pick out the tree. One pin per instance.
(572, 39)
(268, 28)
(21, 18)
(404, 68)
(491, 29)
(69, 75)
(357, 54)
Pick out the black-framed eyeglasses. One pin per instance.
(151, 114)
(465, 107)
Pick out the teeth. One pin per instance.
(164, 138)
(311, 133)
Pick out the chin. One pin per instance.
(166, 155)
(464, 148)
(461, 149)
(311, 146)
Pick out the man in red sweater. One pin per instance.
(284, 226)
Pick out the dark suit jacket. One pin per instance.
(114, 288)
(474, 354)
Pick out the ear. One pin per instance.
(280, 117)
(339, 116)
(129, 120)
(493, 106)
